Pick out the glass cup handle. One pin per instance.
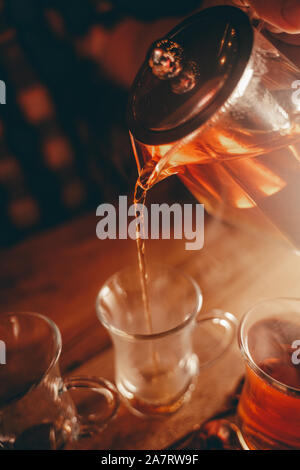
(228, 322)
(43, 436)
(93, 421)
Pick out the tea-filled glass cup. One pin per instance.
(156, 360)
(269, 407)
(37, 410)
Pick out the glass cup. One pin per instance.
(269, 407)
(37, 410)
(156, 364)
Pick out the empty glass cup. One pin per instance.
(156, 364)
(36, 407)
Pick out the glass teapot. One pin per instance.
(217, 104)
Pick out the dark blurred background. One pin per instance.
(67, 66)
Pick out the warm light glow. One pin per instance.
(232, 146)
(243, 83)
(163, 149)
(295, 152)
(270, 190)
(261, 181)
(245, 203)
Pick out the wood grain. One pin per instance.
(60, 272)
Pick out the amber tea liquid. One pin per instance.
(269, 411)
(254, 187)
(244, 166)
(140, 194)
(257, 190)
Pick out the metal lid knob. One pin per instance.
(186, 80)
(166, 59)
(189, 75)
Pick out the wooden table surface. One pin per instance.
(59, 273)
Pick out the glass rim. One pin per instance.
(55, 334)
(150, 336)
(288, 389)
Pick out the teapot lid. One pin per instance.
(189, 74)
